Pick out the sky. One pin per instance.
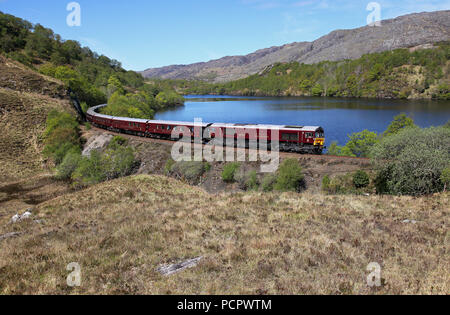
(153, 33)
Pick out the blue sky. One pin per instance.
(151, 33)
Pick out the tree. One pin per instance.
(361, 143)
(114, 85)
(400, 122)
(337, 150)
(411, 161)
(40, 42)
(317, 90)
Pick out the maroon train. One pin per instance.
(291, 138)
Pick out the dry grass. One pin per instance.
(121, 231)
(26, 97)
(22, 121)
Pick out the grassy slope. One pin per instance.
(121, 231)
(26, 97)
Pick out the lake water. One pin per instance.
(339, 117)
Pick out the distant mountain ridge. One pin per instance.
(402, 32)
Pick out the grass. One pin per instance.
(253, 243)
(26, 98)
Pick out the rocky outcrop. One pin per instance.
(403, 32)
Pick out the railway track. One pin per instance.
(282, 154)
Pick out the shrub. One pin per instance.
(114, 163)
(191, 171)
(445, 177)
(117, 141)
(326, 181)
(399, 123)
(337, 150)
(89, 171)
(361, 179)
(69, 164)
(168, 167)
(268, 182)
(248, 180)
(290, 176)
(60, 136)
(118, 162)
(252, 182)
(361, 143)
(88, 126)
(229, 171)
(411, 162)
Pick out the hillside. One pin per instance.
(120, 232)
(26, 97)
(402, 32)
(421, 72)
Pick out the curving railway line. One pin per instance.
(294, 139)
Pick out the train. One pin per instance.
(298, 139)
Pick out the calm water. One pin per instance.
(339, 117)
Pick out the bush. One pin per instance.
(69, 164)
(361, 143)
(361, 179)
(411, 162)
(89, 171)
(290, 176)
(252, 182)
(445, 177)
(114, 163)
(168, 167)
(326, 181)
(399, 123)
(190, 171)
(117, 142)
(60, 136)
(247, 180)
(268, 182)
(229, 171)
(118, 162)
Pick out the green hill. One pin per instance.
(403, 73)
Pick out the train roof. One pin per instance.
(256, 126)
(93, 112)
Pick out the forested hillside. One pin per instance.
(93, 78)
(402, 73)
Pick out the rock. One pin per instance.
(15, 218)
(409, 221)
(167, 270)
(96, 143)
(26, 215)
(18, 218)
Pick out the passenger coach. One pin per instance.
(300, 139)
